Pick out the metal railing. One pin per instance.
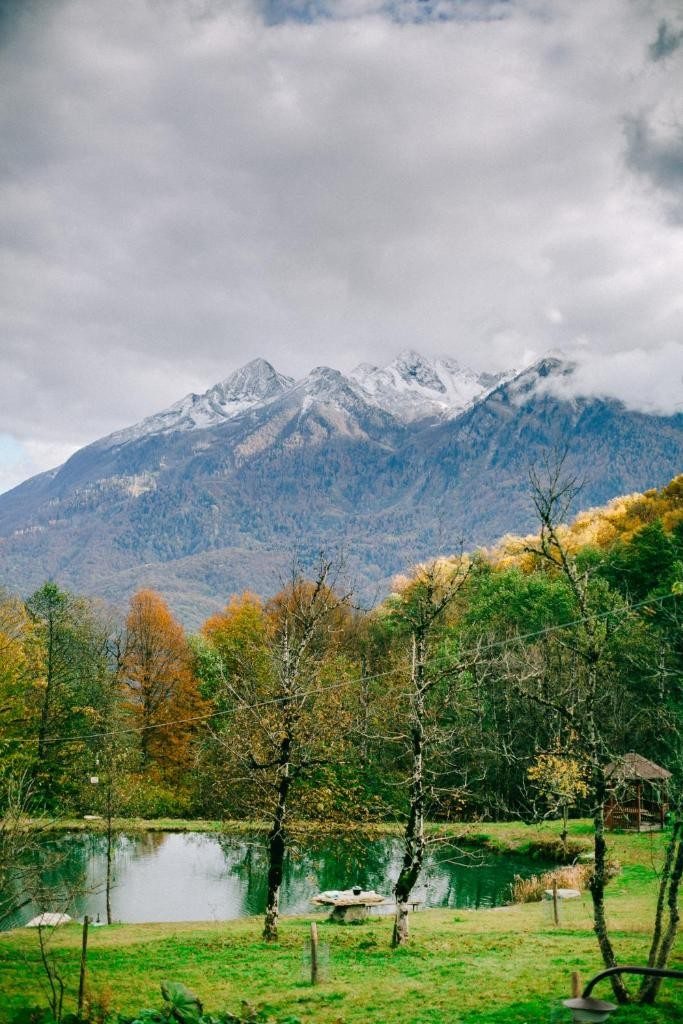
(586, 1008)
(647, 972)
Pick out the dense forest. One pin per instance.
(192, 725)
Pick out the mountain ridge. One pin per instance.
(411, 388)
(199, 509)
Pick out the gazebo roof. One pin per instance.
(634, 766)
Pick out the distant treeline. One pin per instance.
(99, 715)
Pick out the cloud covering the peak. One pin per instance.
(650, 381)
(187, 185)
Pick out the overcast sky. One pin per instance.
(187, 184)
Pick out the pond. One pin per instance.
(195, 876)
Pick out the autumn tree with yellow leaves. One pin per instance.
(159, 685)
(277, 674)
(561, 780)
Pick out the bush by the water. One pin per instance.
(528, 890)
(553, 848)
(571, 876)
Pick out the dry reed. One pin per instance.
(528, 890)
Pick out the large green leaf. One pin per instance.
(184, 1005)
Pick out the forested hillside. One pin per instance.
(509, 646)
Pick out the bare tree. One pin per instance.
(430, 592)
(19, 838)
(664, 932)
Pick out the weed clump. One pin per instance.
(529, 890)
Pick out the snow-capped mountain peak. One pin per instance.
(323, 382)
(255, 383)
(363, 370)
(415, 370)
(408, 389)
(412, 387)
(549, 375)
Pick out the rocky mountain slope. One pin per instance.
(392, 464)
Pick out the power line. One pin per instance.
(443, 630)
(495, 644)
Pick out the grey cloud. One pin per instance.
(667, 41)
(656, 151)
(186, 185)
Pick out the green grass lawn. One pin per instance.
(505, 966)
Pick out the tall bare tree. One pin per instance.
(421, 607)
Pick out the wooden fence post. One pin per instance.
(84, 956)
(576, 985)
(314, 953)
(556, 913)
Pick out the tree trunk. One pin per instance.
(414, 838)
(650, 988)
(565, 830)
(661, 900)
(598, 883)
(276, 847)
(45, 709)
(145, 732)
(109, 864)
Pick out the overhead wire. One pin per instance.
(492, 645)
(573, 622)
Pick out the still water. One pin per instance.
(163, 876)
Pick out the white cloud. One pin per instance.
(190, 184)
(19, 460)
(649, 381)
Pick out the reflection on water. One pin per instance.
(199, 876)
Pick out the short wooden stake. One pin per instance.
(576, 985)
(314, 953)
(556, 911)
(84, 956)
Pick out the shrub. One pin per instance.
(553, 849)
(156, 800)
(182, 1006)
(528, 890)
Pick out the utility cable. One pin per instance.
(495, 644)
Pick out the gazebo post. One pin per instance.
(639, 804)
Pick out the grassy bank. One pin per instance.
(504, 966)
(540, 839)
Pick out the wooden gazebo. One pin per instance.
(637, 793)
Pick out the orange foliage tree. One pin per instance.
(159, 683)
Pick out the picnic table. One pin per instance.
(349, 905)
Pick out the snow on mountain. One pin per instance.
(409, 389)
(413, 388)
(338, 401)
(542, 377)
(202, 513)
(256, 383)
